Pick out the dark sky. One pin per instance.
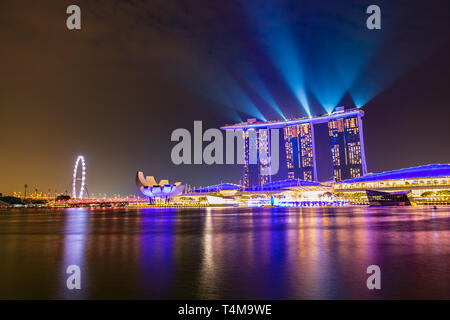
(116, 89)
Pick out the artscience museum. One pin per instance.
(157, 192)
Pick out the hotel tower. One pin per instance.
(297, 155)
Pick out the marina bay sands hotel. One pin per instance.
(297, 154)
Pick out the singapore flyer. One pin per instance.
(77, 178)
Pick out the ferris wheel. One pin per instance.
(79, 177)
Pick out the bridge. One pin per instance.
(98, 202)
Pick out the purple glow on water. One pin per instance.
(230, 253)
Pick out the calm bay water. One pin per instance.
(282, 253)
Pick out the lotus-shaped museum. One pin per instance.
(162, 190)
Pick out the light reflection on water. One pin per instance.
(212, 253)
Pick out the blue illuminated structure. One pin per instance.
(426, 171)
(218, 188)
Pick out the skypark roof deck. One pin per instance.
(289, 122)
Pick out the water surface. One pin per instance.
(231, 253)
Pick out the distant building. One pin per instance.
(432, 176)
(428, 183)
(62, 197)
(8, 201)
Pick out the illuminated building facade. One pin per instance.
(297, 158)
(251, 176)
(428, 184)
(300, 153)
(256, 141)
(347, 148)
(427, 177)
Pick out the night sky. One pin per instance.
(137, 70)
